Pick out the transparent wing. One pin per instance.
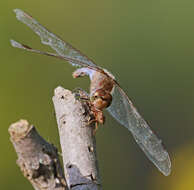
(62, 48)
(74, 62)
(126, 114)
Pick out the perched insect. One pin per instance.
(105, 92)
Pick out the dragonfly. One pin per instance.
(105, 92)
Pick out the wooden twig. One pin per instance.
(77, 141)
(37, 159)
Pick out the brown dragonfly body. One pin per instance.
(100, 91)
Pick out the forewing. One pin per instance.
(125, 113)
(48, 38)
(74, 62)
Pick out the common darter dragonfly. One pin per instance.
(105, 92)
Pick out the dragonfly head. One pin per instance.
(101, 99)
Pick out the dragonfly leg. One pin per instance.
(95, 129)
(80, 94)
(92, 120)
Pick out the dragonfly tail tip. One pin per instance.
(15, 44)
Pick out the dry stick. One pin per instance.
(37, 159)
(77, 141)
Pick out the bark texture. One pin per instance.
(77, 141)
(37, 159)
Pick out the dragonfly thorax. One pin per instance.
(100, 87)
(101, 99)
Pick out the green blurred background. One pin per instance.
(148, 45)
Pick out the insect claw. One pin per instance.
(91, 121)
